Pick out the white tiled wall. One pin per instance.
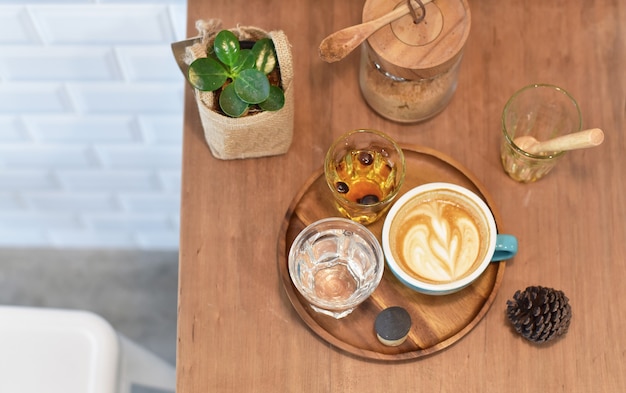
(91, 105)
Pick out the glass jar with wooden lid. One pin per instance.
(409, 68)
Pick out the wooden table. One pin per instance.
(238, 332)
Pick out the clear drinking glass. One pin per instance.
(364, 170)
(544, 112)
(336, 264)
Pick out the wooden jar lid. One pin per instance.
(423, 50)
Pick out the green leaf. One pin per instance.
(252, 86)
(230, 102)
(245, 61)
(275, 101)
(206, 74)
(226, 47)
(265, 55)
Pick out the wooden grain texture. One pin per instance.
(426, 49)
(438, 321)
(237, 330)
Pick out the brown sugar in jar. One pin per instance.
(408, 72)
(404, 100)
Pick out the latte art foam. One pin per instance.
(439, 241)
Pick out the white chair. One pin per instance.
(66, 351)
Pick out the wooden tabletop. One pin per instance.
(238, 331)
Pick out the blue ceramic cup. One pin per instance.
(440, 237)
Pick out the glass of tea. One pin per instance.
(364, 170)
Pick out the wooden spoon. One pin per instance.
(577, 140)
(339, 44)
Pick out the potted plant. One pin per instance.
(242, 81)
(240, 74)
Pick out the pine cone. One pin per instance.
(539, 314)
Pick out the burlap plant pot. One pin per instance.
(256, 135)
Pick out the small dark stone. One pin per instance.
(366, 158)
(342, 187)
(369, 200)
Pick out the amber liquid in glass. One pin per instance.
(365, 177)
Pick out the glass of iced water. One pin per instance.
(336, 264)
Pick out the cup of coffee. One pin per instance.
(440, 237)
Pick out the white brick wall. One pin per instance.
(91, 107)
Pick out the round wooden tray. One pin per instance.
(438, 321)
